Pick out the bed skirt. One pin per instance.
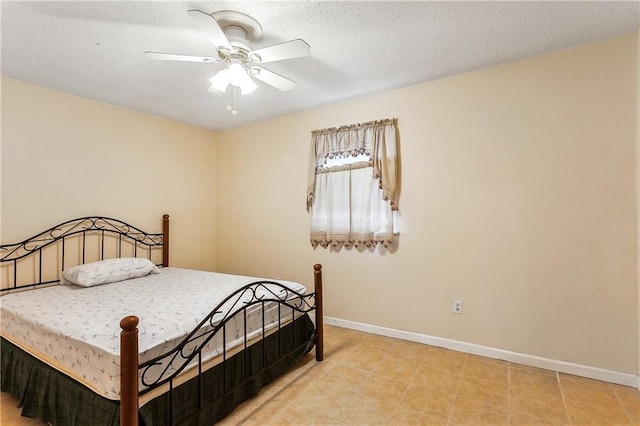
(45, 393)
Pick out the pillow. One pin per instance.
(108, 271)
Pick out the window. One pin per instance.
(353, 185)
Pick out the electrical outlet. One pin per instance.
(457, 306)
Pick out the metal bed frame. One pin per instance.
(190, 349)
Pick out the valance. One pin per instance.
(374, 138)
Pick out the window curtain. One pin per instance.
(352, 203)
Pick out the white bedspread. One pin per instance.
(77, 330)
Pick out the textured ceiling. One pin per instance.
(95, 49)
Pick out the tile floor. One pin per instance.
(373, 380)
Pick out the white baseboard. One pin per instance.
(610, 376)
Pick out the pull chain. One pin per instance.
(231, 99)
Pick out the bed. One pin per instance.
(98, 329)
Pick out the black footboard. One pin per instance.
(211, 396)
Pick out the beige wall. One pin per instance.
(64, 156)
(518, 197)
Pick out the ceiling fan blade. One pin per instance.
(287, 50)
(273, 79)
(210, 27)
(175, 57)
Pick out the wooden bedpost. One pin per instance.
(165, 240)
(129, 371)
(317, 283)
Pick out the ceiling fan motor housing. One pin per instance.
(237, 37)
(240, 29)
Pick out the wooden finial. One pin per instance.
(129, 323)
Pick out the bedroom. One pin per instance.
(519, 196)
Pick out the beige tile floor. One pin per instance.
(370, 380)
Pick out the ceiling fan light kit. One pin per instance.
(234, 75)
(231, 33)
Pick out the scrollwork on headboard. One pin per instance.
(96, 226)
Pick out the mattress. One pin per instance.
(76, 329)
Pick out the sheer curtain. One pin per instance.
(353, 184)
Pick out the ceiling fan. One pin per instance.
(231, 32)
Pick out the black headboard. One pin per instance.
(109, 238)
